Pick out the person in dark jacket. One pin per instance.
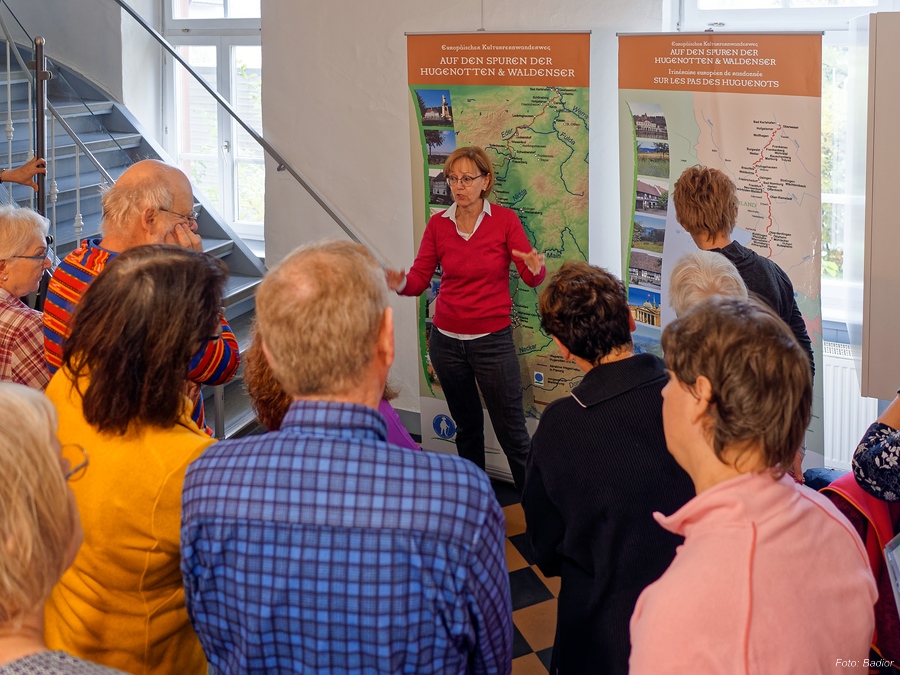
(597, 471)
(706, 206)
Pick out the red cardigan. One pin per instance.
(474, 294)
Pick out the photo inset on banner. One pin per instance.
(435, 107)
(645, 309)
(645, 269)
(649, 121)
(440, 145)
(651, 196)
(649, 233)
(439, 190)
(653, 159)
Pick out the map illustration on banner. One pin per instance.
(524, 99)
(748, 105)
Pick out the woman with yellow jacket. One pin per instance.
(120, 396)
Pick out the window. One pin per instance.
(220, 40)
(215, 9)
(833, 17)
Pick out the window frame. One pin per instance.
(223, 34)
(690, 18)
(835, 23)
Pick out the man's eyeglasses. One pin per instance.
(40, 256)
(77, 471)
(465, 180)
(193, 215)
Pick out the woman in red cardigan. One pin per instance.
(471, 345)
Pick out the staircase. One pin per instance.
(115, 138)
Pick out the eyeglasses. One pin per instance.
(41, 256)
(465, 180)
(193, 215)
(79, 470)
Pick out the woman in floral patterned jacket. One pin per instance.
(876, 462)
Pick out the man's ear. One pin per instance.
(150, 221)
(384, 347)
(265, 350)
(632, 326)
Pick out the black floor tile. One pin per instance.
(527, 589)
(544, 655)
(506, 493)
(520, 644)
(523, 545)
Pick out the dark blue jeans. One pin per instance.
(490, 364)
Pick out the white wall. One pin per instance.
(142, 66)
(102, 43)
(84, 35)
(335, 104)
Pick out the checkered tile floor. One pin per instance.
(533, 595)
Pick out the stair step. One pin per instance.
(65, 233)
(238, 411)
(95, 141)
(218, 248)
(20, 109)
(80, 108)
(240, 287)
(241, 326)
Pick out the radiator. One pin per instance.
(846, 414)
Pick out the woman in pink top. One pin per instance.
(470, 344)
(771, 578)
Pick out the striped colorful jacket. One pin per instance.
(215, 364)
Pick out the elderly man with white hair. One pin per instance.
(151, 203)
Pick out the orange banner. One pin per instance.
(720, 62)
(527, 59)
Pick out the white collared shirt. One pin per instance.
(451, 214)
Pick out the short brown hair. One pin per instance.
(479, 157)
(760, 376)
(38, 518)
(320, 312)
(702, 274)
(269, 400)
(705, 202)
(586, 308)
(135, 330)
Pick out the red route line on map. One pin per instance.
(768, 199)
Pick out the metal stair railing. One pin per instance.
(282, 163)
(40, 115)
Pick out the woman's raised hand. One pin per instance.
(394, 278)
(533, 259)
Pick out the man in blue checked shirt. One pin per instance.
(320, 548)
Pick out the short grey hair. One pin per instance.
(320, 312)
(123, 204)
(700, 275)
(18, 227)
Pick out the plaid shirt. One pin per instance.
(21, 344)
(215, 364)
(321, 548)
